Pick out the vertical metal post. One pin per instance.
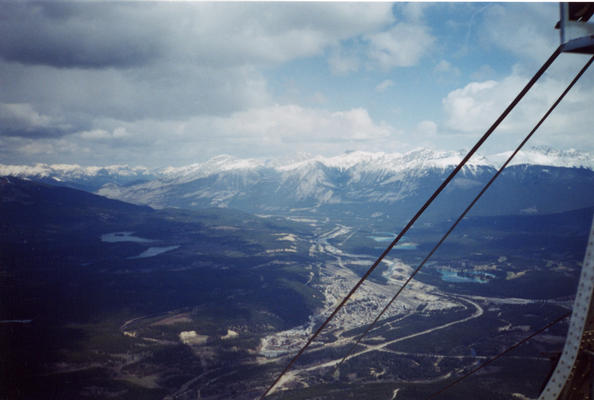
(570, 377)
(563, 13)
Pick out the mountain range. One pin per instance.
(355, 186)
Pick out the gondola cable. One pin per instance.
(498, 356)
(461, 217)
(451, 176)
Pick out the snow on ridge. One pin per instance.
(350, 159)
(394, 162)
(571, 158)
(422, 158)
(216, 164)
(359, 161)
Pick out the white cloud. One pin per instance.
(467, 108)
(402, 46)
(212, 34)
(290, 123)
(102, 134)
(137, 61)
(382, 86)
(287, 129)
(180, 82)
(21, 119)
(524, 31)
(37, 147)
(22, 114)
(171, 91)
(257, 132)
(473, 108)
(55, 149)
(282, 32)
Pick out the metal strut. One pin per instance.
(573, 377)
(478, 144)
(589, 371)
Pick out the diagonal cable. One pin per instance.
(478, 144)
(478, 196)
(489, 361)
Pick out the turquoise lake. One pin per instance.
(448, 275)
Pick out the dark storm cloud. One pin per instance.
(34, 132)
(98, 35)
(67, 35)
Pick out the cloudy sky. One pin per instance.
(159, 84)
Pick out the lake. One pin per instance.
(154, 251)
(387, 237)
(450, 275)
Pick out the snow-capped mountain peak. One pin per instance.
(216, 164)
(376, 185)
(420, 158)
(571, 158)
(307, 172)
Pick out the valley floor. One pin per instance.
(429, 336)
